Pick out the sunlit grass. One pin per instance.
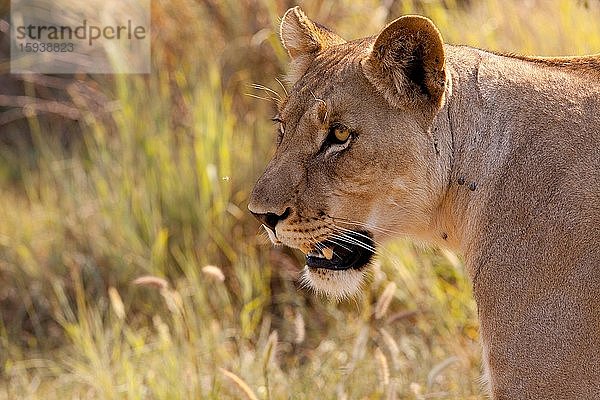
(160, 190)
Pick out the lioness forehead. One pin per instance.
(330, 73)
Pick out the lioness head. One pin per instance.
(355, 158)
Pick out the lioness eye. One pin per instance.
(338, 134)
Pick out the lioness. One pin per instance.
(495, 156)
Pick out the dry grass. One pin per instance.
(129, 268)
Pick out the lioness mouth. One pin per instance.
(350, 250)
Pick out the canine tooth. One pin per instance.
(315, 254)
(327, 252)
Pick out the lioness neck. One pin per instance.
(522, 204)
(500, 113)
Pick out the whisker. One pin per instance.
(357, 223)
(363, 225)
(382, 250)
(350, 240)
(321, 246)
(338, 244)
(266, 89)
(322, 101)
(269, 99)
(354, 233)
(282, 86)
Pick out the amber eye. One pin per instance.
(339, 134)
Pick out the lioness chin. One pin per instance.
(494, 156)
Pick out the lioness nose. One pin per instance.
(271, 219)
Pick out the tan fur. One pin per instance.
(494, 156)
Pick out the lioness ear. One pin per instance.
(407, 63)
(303, 39)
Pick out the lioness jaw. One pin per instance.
(494, 156)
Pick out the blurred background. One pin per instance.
(129, 266)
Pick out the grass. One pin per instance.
(158, 188)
